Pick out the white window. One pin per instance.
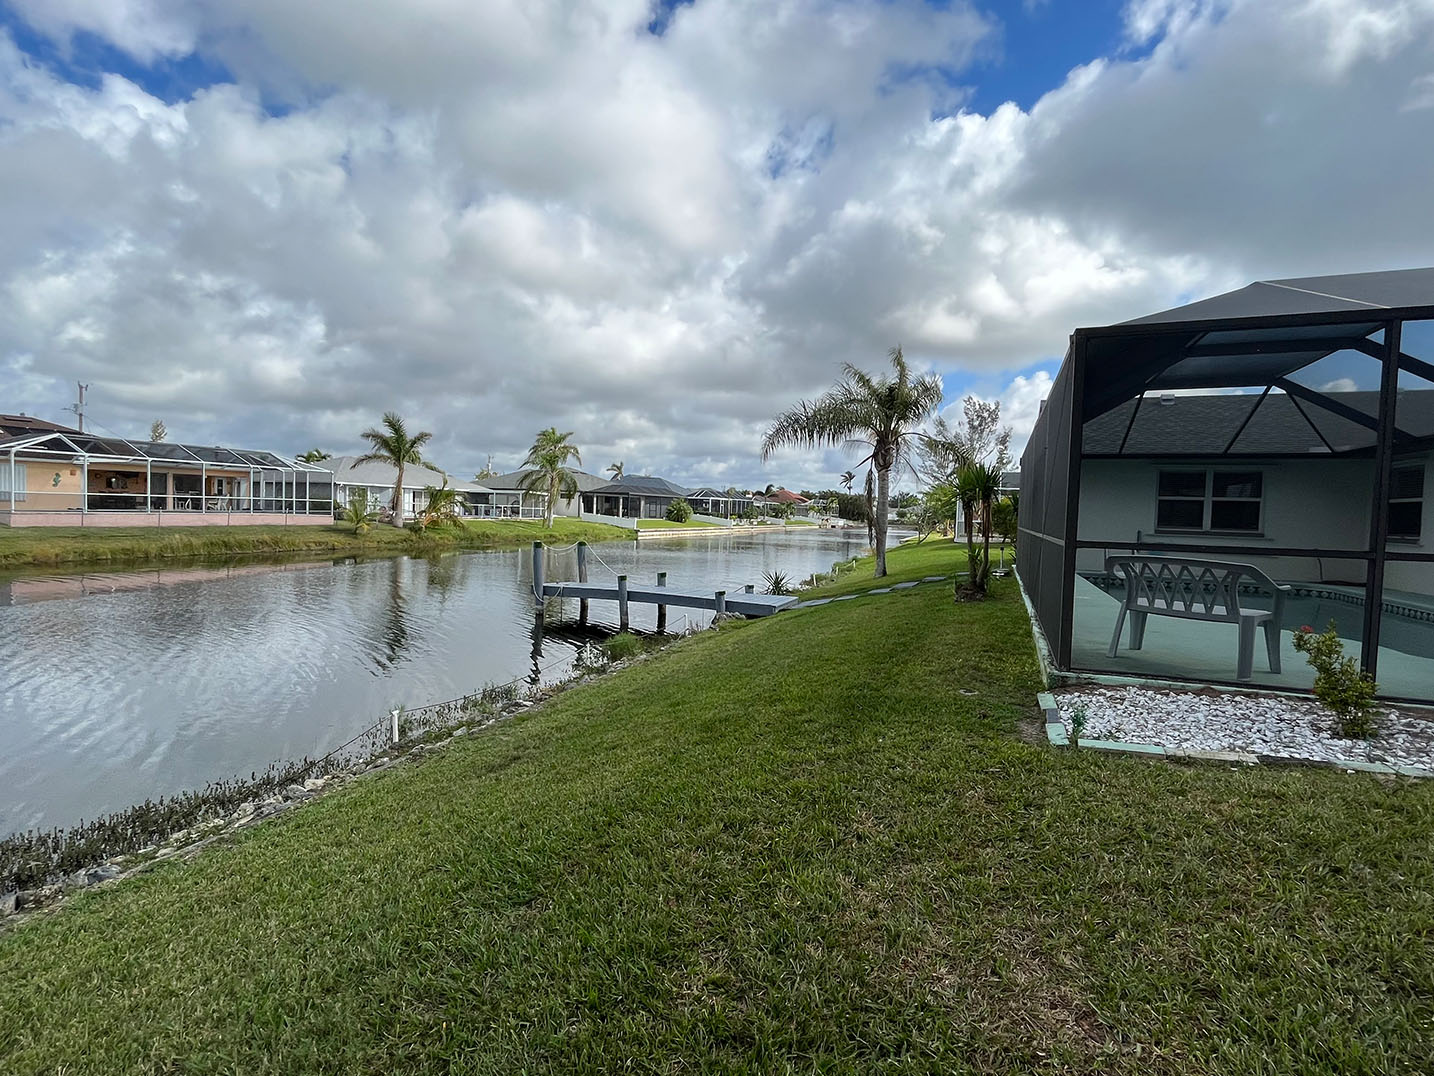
(6, 493)
(1209, 500)
(1406, 501)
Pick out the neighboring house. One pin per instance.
(633, 497)
(343, 476)
(707, 501)
(781, 497)
(55, 476)
(12, 426)
(1288, 426)
(510, 488)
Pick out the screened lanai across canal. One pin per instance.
(75, 479)
(1286, 428)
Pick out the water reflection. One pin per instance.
(119, 686)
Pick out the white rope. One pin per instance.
(604, 563)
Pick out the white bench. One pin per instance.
(1191, 589)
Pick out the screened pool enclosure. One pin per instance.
(76, 479)
(1285, 432)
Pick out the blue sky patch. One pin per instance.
(88, 58)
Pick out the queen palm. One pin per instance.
(395, 446)
(876, 414)
(846, 478)
(616, 470)
(547, 467)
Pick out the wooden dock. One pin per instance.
(744, 602)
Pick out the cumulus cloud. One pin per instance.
(496, 217)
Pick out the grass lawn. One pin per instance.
(664, 524)
(935, 556)
(813, 842)
(26, 546)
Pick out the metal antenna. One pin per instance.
(78, 407)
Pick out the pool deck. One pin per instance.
(1194, 650)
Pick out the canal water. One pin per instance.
(117, 687)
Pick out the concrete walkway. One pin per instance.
(879, 590)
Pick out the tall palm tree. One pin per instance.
(878, 414)
(869, 493)
(395, 446)
(616, 470)
(846, 478)
(547, 466)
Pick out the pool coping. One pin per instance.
(1057, 736)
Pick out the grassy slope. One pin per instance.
(935, 556)
(794, 844)
(22, 546)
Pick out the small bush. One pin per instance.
(777, 582)
(1339, 684)
(679, 511)
(623, 645)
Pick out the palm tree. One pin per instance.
(444, 508)
(313, 455)
(616, 469)
(359, 514)
(978, 485)
(847, 478)
(393, 445)
(547, 465)
(870, 500)
(876, 413)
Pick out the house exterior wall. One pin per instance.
(46, 485)
(1319, 503)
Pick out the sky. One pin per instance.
(658, 224)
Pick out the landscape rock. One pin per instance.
(1243, 725)
(296, 792)
(8, 902)
(313, 784)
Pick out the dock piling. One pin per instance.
(622, 603)
(721, 604)
(582, 578)
(538, 573)
(662, 609)
(750, 588)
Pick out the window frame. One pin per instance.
(22, 480)
(1208, 501)
(1411, 465)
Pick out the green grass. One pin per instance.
(659, 524)
(911, 561)
(43, 546)
(808, 843)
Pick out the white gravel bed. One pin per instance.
(1274, 725)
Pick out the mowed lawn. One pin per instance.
(44, 546)
(809, 843)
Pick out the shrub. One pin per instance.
(777, 582)
(623, 645)
(360, 513)
(679, 511)
(1339, 684)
